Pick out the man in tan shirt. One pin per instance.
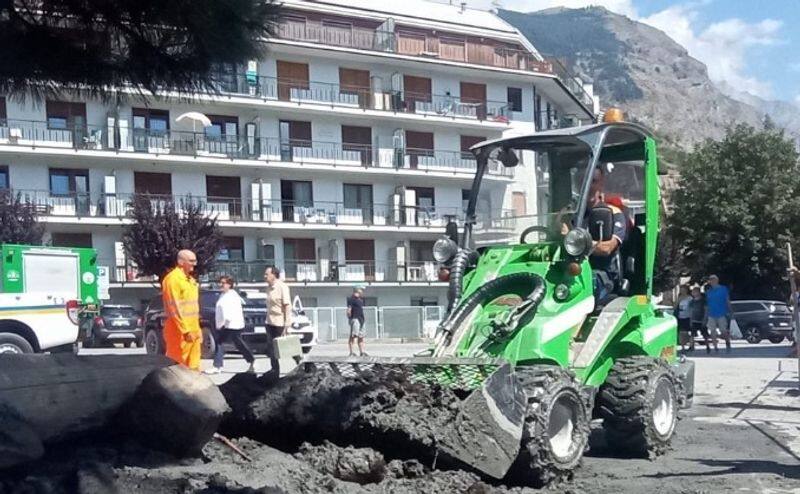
(279, 310)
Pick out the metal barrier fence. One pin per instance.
(380, 322)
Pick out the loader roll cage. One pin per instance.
(572, 155)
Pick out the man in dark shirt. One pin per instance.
(355, 316)
(604, 254)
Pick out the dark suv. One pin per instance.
(763, 319)
(254, 332)
(114, 324)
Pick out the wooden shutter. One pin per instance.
(291, 75)
(416, 89)
(358, 139)
(300, 133)
(152, 183)
(452, 49)
(418, 144)
(410, 43)
(359, 250)
(473, 93)
(223, 187)
(518, 202)
(352, 81)
(3, 114)
(469, 141)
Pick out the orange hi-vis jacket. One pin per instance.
(181, 294)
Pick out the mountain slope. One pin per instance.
(638, 68)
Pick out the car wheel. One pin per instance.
(209, 345)
(139, 343)
(752, 335)
(127, 344)
(14, 343)
(776, 338)
(152, 342)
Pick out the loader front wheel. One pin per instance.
(556, 429)
(639, 406)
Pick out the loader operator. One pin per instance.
(604, 259)
(180, 293)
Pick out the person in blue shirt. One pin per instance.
(718, 306)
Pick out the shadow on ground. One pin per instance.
(727, 467)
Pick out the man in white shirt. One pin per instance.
(230, 323)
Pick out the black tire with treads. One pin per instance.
(546, 386)
(626, 404)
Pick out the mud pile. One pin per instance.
(386, 411)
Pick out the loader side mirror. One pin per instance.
(508, 157)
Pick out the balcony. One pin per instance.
(326, 271)
(383, 41)
(88, 138)
(315, 213)
(303, 92)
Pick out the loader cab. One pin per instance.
(570, 216)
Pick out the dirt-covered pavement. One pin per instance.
(742, 435)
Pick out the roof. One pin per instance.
(422, 9)
(569, 134)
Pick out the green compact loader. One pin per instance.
(535, 342)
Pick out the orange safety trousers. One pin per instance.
(180, 294)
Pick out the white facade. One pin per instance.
(82, 164)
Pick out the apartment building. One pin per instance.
(340, 156)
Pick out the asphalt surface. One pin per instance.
(741, 435)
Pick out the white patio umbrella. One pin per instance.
(195, 117)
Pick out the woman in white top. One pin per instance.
(230, 323)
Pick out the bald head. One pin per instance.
(187, 260)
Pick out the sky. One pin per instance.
(748, 45)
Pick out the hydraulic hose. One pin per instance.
(463, 259)
(534, 287)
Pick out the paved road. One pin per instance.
(742, 434)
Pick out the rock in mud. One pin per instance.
(175, 410)
(359, 465)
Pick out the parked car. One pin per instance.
(254, 332)
(115, 324)
(763, 320)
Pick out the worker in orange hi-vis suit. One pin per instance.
(180, 293)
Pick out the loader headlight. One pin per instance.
(578, 242)
(444, 249)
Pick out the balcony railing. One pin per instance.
(247, 209)
(29, 133)
(311, 270)
(294, 270)
(343, 96)
(390, 42)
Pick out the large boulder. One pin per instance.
(175, 410)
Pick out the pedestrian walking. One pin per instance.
(279, 310)
(229, 319)
(355, 317)
(697, 311)
(718, 306)
(180, 294)
(683, 311)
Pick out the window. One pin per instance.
(156, 121)
(292, 80)
(424, 301)
(266, 252)
(152, 183)
(359, 140)
(425, 196)
(465, 193)
(224, 196)
(4, 178)
(357, 196)
(65, 115)
(71, 239)
(299, 258)
(515, 99)
(233, 249)
(3, 114)
(69, 182)
(420, 250)
(222, 126)
(292, 135)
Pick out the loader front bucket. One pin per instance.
(487, 431)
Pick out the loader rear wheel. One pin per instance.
(639, 406)
(556, 429)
